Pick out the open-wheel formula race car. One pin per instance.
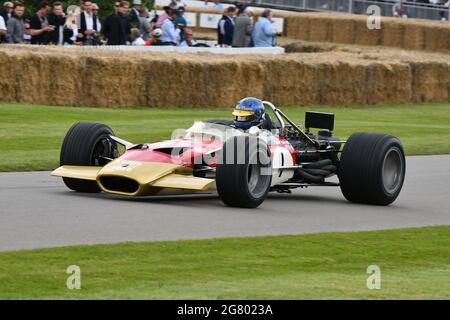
(244, 166)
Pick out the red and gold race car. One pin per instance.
(243, 165)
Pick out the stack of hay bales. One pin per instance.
(340, 76)
(352, 29)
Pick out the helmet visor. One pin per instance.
(244, 116)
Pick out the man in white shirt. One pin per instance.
(170, 36)
(88, 24)
(2, 28)
(189, 41)
(135, 37)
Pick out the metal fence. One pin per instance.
(412, 9)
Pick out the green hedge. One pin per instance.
(106, 6)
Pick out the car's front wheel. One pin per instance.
(372, 168)
(87, 144)
(244, 172)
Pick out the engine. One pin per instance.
(317, 153)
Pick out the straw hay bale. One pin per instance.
(343, 30)
(8, 79)
(388, 83)
(414, 37)
(332, 75)
(437, 38)
(430, 81)
(365, 36)
(320, 29)
(298, 27)
(393, 34)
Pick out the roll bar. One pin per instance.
(280, 116)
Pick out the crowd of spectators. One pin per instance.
(236, 28)
(401, 11)
(81, 25)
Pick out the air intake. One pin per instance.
(119, 184)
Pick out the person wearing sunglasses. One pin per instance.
(116, 27)
(7, 11)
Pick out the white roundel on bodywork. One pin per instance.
(281, 157)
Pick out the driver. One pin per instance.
(249, 112)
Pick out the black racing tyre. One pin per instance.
(372, 168)
(244, 172)
(87, 144)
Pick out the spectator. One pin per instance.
(57, 19)
(40, 29)
(214, 3)
(163, 17)
(225, 28)
(263, 34)
(95, 9)
(189, 41)
(5, 14)
(243, 29)
(153, 20)
(170, 34)
(177, 4)
(2, 29)
(399, 10)
(144, 25)
(134, 13)
(135, 38)
(7, 11)
(443, 3)
(71, 35)
(124, 9)
(88, 25)
(116, 28)
(26, 32)
(81, 3)
(155, 38)
(15, 25)
(181, 23)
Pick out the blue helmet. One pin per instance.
(249, 112)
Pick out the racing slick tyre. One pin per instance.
(87, 144)
(244, 172)
(372, 168)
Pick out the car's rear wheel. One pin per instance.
(244, 172)
(372, 168)
(87, 144)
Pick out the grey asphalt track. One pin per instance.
(37, 210)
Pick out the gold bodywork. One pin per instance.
(142, 178)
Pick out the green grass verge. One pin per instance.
(31, 136)
(414, 264)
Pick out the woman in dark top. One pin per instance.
(70, 31)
